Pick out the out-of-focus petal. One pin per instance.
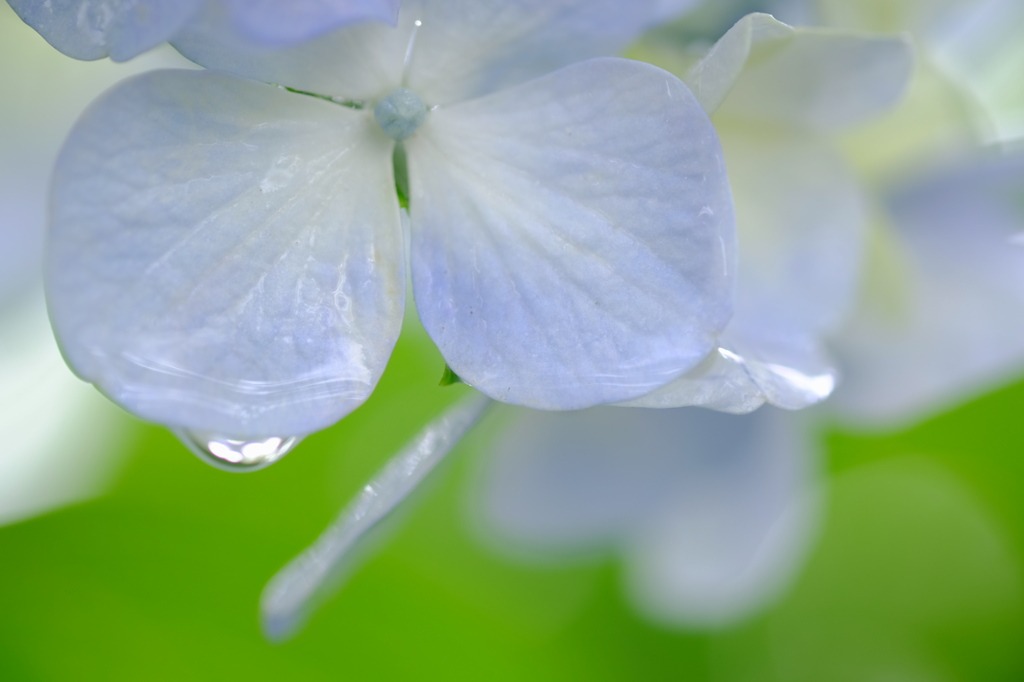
(945, 316)
(358, 63)
(790, 371)
(226, 256)
(93, 29)
(61, 438)
(468, 48)
(714, 76)
(713, 510)
(286, 22)
(734, 532)
(572, 238)
(800, 224)
(762, 69)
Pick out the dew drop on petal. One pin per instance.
(236, 454)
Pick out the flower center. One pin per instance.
(400, 113)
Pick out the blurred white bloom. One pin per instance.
(975, 42)
(227, 255)
(122, 29)
(62, 439)
(942, 314)
(712, 512)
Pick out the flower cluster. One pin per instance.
(230, 248)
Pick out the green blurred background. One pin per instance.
(916, 575)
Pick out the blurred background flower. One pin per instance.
(62, 438)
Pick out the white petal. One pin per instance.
(275, 22)
(714, 76)
(714, 511)
(226, 256)
(762, 69)
(311, 576)
(736, 529)
(468, 48)
(93, 29)
(800, 226)
(944, 318)
(572, 238)
(358, 63)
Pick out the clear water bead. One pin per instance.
(400, 113)
(237, 454)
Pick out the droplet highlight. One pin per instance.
(237, 454)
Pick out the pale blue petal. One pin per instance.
(712, 512)
(286, 22)
(462, 48)
(358, 63)
(945, 320)
(572, 238)
(468, 48)
(93, 29)
(226, 256)
(764, 70)
(800, 226)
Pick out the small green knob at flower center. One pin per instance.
(400, 113)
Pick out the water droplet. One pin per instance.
(237, 454)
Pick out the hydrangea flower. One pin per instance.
(122, 29)
(713, 513)
(227, 255)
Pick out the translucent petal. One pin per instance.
(93, 29)
(226, 256)
(712, 511)
(359, 63)
(800, 222)
(943, 315)
(746, 371)
(468, 48)
(295, 590)
(277, 23)
(572, 238)
(762, 69)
